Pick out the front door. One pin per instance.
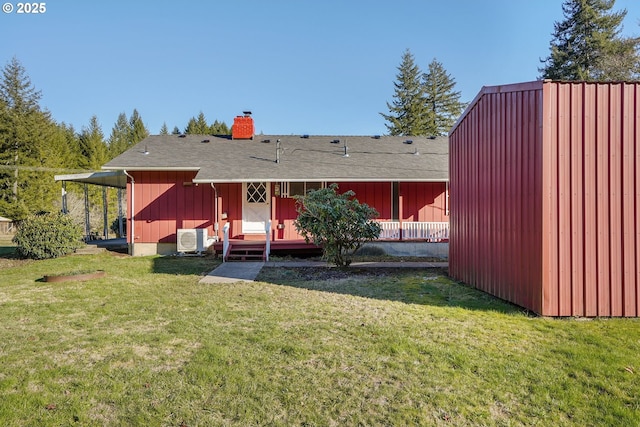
(255, 207)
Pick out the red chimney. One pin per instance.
(243, 126)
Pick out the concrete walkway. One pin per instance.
(231, 272)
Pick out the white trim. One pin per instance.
(328, 180)
(248, 225)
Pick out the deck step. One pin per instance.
(245, 251)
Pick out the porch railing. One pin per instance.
(429, 231)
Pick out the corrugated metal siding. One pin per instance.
(495, 180)
(590, 199)
(545, 190)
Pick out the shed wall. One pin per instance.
(591, 186)
(545, 192)
(495, 193)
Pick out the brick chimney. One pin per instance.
(243, 126)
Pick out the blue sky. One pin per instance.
(316, 67)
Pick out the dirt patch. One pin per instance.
(12, 262)
(332, 273)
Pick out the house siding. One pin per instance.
(167, 201)
(163, 205)
(544, 197)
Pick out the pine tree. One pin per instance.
(164, 130)
(407, 114)
(92, 146)
(176, 131)
(587, 44)
(29, 146)
(219, 128)
(138, 129)
(119, 140)
(442, 101)
(197, 126)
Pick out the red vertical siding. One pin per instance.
(421, 202)
(496, 216)
(598, 261)
(374, 194)
(163, 204)
(547, 174)
(424, 202)
(231, 204)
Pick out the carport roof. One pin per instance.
(115, 179)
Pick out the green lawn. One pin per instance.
(148, 345)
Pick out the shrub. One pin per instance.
(337, 222)
(47, 235)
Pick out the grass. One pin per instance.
(149, 345)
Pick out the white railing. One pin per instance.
(390, 230)
(225, 242)
(430, 231)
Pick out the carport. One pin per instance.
(113, 179)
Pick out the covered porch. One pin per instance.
(260, 247)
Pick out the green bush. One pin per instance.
(47, 235)
(337, 222)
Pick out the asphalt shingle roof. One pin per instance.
(302, 158)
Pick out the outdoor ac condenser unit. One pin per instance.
(192, 239)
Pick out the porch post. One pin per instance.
(65, 210)
(273, 217)
(120, 227)
(87, 224)
(105, 213)
(400, 213)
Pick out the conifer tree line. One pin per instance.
(425, 103)
(586, 45)
(34, 147)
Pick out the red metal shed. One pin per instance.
(545, 196)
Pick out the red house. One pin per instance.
(180, 183)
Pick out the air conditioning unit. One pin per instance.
(192, 240)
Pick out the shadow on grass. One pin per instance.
(409, 286)
(185, 265)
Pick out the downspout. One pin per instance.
(132, 236)
(215, 211)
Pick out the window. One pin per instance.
(302, 188)
(256, 192)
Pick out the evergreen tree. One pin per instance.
(93, 148)
(407, 113)
(197, 126)
(192, 125)
(119, 140)
(30, 145)
(164, 130)
(442, 101)
(175, 131)
(219, 128)
(587, 44)
(138, 129)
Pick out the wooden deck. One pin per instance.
(246, 250)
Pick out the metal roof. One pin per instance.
(115, 179)
(301, 158)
